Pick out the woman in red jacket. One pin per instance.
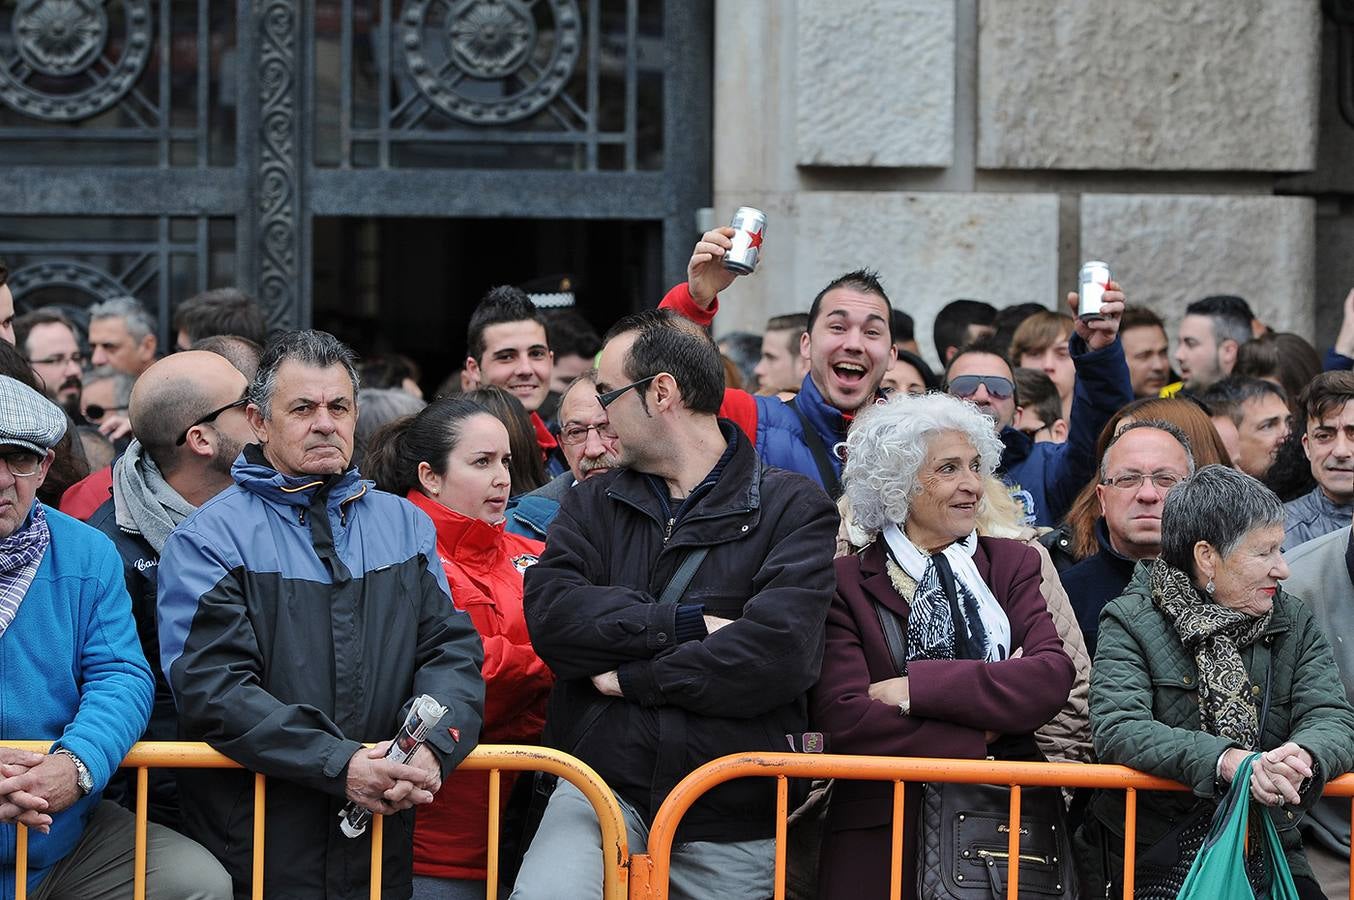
(451, 461)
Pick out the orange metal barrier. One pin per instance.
(649, 871)
(495, 759)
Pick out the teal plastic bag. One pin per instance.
(1219, 871)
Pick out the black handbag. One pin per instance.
(963, 848)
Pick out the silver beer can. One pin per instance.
(749, 227)
(1093, 281)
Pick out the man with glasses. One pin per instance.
(76, 679)
(48, 341)
(1143, 461)
(1044, 478)
(188, 412)
(667, 658)
(590, 447)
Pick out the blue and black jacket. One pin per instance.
(298, 618)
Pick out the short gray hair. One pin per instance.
(1174, 431)
(888, 444)
(130, 310)
(318, 349)
(1217, 504)
(122, 385)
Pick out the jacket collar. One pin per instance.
(1141, 584)
(459, 537)
(1102, 537)
(253, 473)
(738, 489)
(825, 418)
(544, 438)
(1018, 446)
(875, 579)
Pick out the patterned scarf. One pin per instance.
(20, 555)
(1215, 635)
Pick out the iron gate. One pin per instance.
(160, 147)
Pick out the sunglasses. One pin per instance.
(208, 419)
(967, 385)
(611, 397)
(94, 411)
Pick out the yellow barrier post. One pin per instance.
(378, 827)
(491, 860)
(1013, 847)
(21, 863)
(142, 811)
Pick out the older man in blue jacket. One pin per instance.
(75, 676)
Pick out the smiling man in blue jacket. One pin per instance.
(75, 676)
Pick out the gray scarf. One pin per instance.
(143, 501)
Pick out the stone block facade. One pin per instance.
(983, 148)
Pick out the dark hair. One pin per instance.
(221, 311)
(24, 325)
(1326, 393)
(397, 447)
(1282, 355)
(795, 323)
(1139, 317)
(527, 468)
(1231, 317)
(744, 350)
(1008, 319)
(240, 352)
(4, 273)
(902, 327)
(668, 343)
(569, 334)
(929, 379)
(318, 349)
(1290, 475)
(387, 370)
(953, 320)
(502, 304)
(377, 407)
(69, 464)
(1226, 397)
(987, 346)
(1039, 394)
(866, 281)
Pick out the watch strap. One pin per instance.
(84, 780)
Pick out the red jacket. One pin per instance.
(84, 497)
(484, 567)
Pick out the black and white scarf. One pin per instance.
(965, 622)
(20, 555)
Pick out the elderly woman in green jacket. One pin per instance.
(1185, 659)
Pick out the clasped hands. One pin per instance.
(34, 787)
(1276, 775)
(385, 786)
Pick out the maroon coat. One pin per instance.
(953, 702)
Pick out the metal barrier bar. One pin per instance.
(1013, 847)
(491, 855)
(649, 871)
(782, 817)
(378, 828)
(487, 757)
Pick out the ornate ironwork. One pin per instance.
(279, 157)
(66, 41)
(496, 45)
(66, 273)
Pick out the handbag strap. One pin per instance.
(682, 575)
(826, 472)
(892, 624)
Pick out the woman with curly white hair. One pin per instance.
(982, 666)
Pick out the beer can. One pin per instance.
(749, 227)
(1093, 281)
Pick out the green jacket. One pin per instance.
(1145, 712)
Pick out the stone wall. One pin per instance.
(982, 148)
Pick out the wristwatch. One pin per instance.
(904, 707)
(83, 780)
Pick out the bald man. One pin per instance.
(187, 412)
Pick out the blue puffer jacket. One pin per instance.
(73, 674)
(298, 617)
(780, 433)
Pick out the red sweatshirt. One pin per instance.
(740, 407)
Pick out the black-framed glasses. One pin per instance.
(611, 397)
(967, 385)
(59, 359)
(209, 418)
(96, 411)
(1131, 481)
(573, 435)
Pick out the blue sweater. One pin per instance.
(72, 672)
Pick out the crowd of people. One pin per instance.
(650, 549)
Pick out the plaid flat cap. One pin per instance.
(27, 418)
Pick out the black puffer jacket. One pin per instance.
(690, 698)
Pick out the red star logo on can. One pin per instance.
(754, 239)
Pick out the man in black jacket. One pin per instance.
(650, 690)
(187, 412)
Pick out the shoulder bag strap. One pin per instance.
(893, 636)
(821, 459)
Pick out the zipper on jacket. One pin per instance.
(667, 533)
(301, 515)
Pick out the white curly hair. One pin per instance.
(888, 444)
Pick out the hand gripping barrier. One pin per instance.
(649, 871)
(495, 759)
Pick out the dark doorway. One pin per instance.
(409, 285)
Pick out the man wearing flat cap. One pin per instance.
(75, 676)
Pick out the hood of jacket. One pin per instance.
(253, 473)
